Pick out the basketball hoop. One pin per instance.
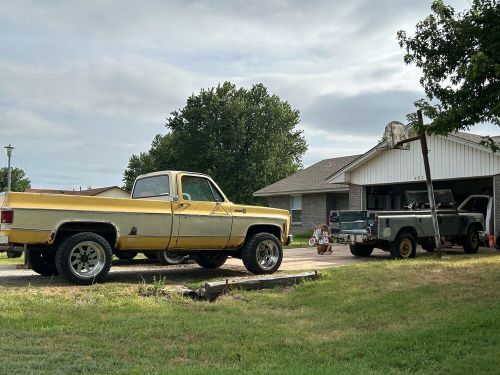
(394, 133)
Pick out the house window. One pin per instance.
(296, 209)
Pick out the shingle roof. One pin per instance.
(474, 137)
(87, 192)
(309, 179)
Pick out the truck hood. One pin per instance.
(261, 211)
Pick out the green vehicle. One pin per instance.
(399, 232)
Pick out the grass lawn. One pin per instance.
(420, 316)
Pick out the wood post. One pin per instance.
(430, 189)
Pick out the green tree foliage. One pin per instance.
(459, 54)
(244, 139)
(19, 180)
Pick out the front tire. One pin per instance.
(84, 258)
(210, 260)
(360, 250)
(404, 246)
(471, 242)
(171, 257)
(262, 254)
(42, 260)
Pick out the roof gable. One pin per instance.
(382, 165)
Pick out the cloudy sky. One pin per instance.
(83, 85)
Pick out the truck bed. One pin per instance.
(37, 217)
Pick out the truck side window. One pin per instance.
(478, 204)
(200, 189)
(151, 187)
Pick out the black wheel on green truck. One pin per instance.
(361, 250)
(471, 240)
(42, 260)
(262, 253)
(404, 246)
(84, 258)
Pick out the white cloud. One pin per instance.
(17, 122)
(85, 84)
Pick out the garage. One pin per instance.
(379, 178)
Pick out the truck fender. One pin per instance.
(96, 226)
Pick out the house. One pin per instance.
(307, 194)
(109, 192)
(379, 178)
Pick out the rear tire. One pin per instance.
(42, 260)
(262, 253)
(404, 246)
(471, 241)
(360, 250)
(172, 257)
(125, 254)
(84, 258)
(210, 260)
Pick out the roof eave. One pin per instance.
(291, 192)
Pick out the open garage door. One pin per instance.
(392, 197)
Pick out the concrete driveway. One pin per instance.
(137, 270)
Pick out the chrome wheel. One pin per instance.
(87, 259)
(267, 254)
(405, 247)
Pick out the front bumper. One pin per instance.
(288, 240)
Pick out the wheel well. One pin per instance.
(106, 230)
(254, 229)
(410, 230)
(478, 225)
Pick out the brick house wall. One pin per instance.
(342, 201)
(313, 210)
(355, 197)
(280, 201)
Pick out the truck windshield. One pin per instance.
(151, 187)
(420, 199)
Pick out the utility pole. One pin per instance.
(9, 170)
(430, 188)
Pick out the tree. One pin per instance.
(459, 54)
(244, 139)
(18, 177)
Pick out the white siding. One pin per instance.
(448, 159)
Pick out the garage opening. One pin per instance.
(392, 197)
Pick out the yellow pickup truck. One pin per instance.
(184, 213)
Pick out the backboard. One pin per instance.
(394, 133)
